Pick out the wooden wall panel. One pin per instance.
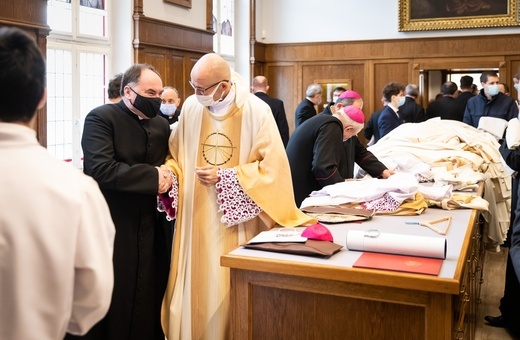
(372, 64)
(478, 46)
(178, 75)
(28, 13)
(31, 16)
(173, 49)
(154, 32)
(385, 73)
(282, 84)
(158, 59)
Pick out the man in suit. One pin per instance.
(410, 111)
(446, 107)
(510, 302)
(390, 117)
(371, 130)
(329, 109)
(170, 101)
(466, 90)
(260, 88)
(489, 102)
(306, 109)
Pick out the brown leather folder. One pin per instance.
(309, 248)
(338, 213)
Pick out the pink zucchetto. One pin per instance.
(349, 94)
(354, 113)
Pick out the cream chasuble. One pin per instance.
(196, 303)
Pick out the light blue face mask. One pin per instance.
(401, 101)
(517, 86)
(493, 90)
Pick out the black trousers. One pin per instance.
(510, 302)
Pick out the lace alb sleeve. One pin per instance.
(169, 201)
(235, 205)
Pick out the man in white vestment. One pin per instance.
(56, 233)
(233, 182)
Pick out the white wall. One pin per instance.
(121, 28)
(242, 34)
(194, 17)
(291, 21)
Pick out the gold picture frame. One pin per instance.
(426, 15)
(328, 85)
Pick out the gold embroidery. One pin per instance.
(217, 149)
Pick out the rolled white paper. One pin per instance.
(374, 241)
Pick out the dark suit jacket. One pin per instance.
(388, 120)
(463, 97)
(372, 128)
(512, 159)
(446, 108)
(304, 111)
(278, 110)
(171, 119)
(411, 112)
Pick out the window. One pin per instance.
(224, 26)
(77, 52)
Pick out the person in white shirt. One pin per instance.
(56, 233)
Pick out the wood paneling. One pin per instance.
(319, 316)
(28, 13)
(164, 34)
(282, 84)
(478, 46)
(31, 16)
(372, 64)
(172, 49)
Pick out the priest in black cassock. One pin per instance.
(124, 146)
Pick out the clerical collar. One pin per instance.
(222, 107)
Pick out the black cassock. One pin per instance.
(121, 153)
(315, 151)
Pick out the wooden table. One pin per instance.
(282, 296)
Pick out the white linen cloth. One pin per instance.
(513, 134)
(452, 143)
(400, 186)
(493, 125)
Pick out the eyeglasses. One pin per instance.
(201, 91)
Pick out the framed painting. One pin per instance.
(183, 3)
(328, 86)
(425, 15)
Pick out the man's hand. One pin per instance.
(207, 175)
(387, 173)
(165, 180)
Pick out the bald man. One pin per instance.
(232, 181)
(260, 88)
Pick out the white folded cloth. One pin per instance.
(493, 125)
(513, 134)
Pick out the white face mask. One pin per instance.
(168, 109)
(335, 98)
(207, 100)
(493, 90)
(517, 86)
(401, 101)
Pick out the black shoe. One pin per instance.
(496, 321)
